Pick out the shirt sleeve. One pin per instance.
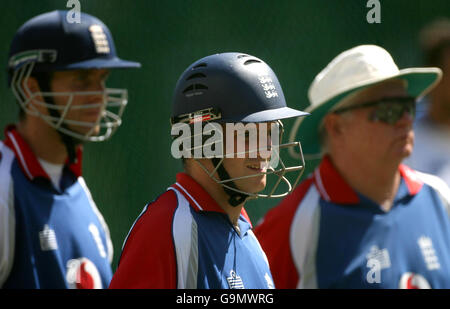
(439, 186)
(273, 233)
(7, 239)
(148, 259)
(109, 245)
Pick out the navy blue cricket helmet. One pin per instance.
(50, 42)
(242, 87)
(55, 44)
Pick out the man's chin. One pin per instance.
(86, 132)
(407, 151)
(255, 187)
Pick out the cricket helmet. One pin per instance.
(50, 42)
(234, 88)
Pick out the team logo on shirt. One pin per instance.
(47, 239)
(413, 281)
(83, 274)
(235, 281)
(428, 253)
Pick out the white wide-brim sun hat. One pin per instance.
(353, 70)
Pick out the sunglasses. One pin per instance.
(388, 110)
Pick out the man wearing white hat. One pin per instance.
(362, 219)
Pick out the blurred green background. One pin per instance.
(297, 38)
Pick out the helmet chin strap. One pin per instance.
(69, 141)
(235, 198)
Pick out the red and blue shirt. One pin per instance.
(326, 235)
(185, 240)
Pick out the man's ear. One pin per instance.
(333, 125)
(32, 85)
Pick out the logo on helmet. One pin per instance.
(100, 39)
(268, 86)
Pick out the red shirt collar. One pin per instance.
(333, 188)
(198, 198)
(413, 182)
(28, 161)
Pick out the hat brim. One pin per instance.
(100, 63)
(419, 82)
(268, 115)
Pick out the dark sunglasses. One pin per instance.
(388, 110)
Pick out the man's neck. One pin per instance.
(378, 182)
(216, 191)
(43, 140)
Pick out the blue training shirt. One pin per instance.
(185, 240)
(326, 235)
(50, 238)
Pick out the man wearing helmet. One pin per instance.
(52, 234)
(197, 234)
